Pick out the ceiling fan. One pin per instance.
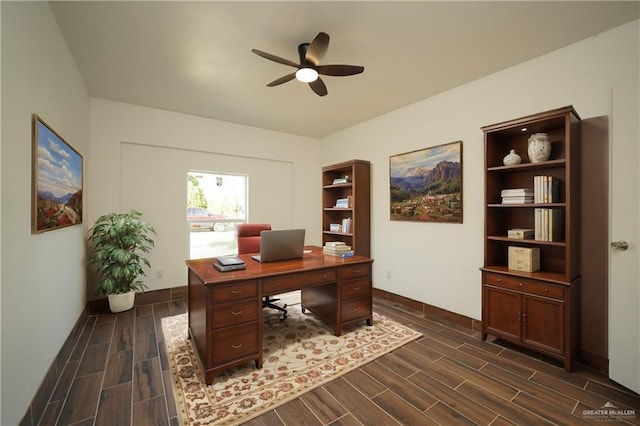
(309, 67)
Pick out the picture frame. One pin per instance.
(56, 182)
(425, 185)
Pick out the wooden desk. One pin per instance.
(225, 308)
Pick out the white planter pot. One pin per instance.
(121, 302)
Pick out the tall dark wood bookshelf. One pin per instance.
(350, 180)
(536, 309)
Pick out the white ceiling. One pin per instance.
(195, 57)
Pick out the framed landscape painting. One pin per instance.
(57, 180)
(426, 185)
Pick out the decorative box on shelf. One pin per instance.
(520, 233)
(524, 259)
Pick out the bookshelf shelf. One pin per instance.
(537, 309)
(358, 192)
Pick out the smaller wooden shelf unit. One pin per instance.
(358, 190)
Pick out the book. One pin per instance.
(517, 200)
(342, 203)
(229, 260)
(229, 268)
(346, 225)
(555, 225)
(338, 181)
(338, 249)
(511, 192)
(546, 189)
(347, 253)
(334, 243)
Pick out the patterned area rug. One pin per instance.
(300, 353)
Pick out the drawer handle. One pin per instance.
(356, 309)
(276, 283)
(238, 346)
(356, 288)
(356, 270)
(324, 275)
(546, 290)
(236, 313)
(235, 291)
(499, 280)
(520, 284)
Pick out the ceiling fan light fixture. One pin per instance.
(307, 75)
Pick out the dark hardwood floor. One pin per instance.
(118, 375)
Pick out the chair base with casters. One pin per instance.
(249, 242)
(267, 302)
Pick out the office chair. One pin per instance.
(249, 242)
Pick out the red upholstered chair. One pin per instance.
(249, 242)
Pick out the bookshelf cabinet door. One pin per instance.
(503, 313)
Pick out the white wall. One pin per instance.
(43, 276)
(438, 263)
(140, 158)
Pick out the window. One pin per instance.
(216, 203)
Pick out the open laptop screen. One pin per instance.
(281, 244)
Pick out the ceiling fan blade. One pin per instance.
(275, 58)
(339, 70)
(318, 87)
(282, 79)
(317, 49)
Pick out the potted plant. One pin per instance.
(120, 242)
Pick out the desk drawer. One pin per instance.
(226, 315)
(355, 271)
(355, 308)
(295, 281)
(234, 343)
(234, 291)
(355, 288)
(522, 284)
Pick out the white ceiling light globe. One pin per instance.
(307, 75)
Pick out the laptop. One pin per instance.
(281, 244)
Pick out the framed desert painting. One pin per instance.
(426, 185)
(57, 180)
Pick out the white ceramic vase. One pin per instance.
(121, 302)
(539, 147)
(511, 159)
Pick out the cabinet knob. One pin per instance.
(546, 290)
(520, 284)
(324, 275)
(499, 280)
(524, 317)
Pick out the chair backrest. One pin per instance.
(249, 236)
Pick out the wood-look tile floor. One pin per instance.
(118, 375)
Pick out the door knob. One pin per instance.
(620, 245)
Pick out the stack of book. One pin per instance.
(548, 224)
(517, 196)
(229, 263)
(546, 189)
(337, 248)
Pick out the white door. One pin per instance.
(624, 280)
